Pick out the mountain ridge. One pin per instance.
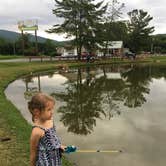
(14, 36)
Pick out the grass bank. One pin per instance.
(4, 57)
(12, 125)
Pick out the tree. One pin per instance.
(139, 30)
(158, 43)
(6, 47)
(111, 24)
(80, 19)
(28, 50)
(118, 31)
(49, 48)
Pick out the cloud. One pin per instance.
(12, 11)
(156, 9)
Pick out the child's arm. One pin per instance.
(34, 140)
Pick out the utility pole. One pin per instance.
(36, 43)
(22, 34)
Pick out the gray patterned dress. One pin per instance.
(49, 149)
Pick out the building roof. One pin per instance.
(113, 44)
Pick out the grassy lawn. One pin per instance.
(12, 124)
(4, 57)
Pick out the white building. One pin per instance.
(67, 50)
(114, 48)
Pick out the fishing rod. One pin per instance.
(96, 151)
(70, 149)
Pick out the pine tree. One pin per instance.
(111, 24)
(80, 19)
(139, 30)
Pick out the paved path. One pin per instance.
(24, 60)
(38, 59)
(15, 60)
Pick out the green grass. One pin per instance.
(13, 125)
(4, 57)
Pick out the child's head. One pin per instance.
(39, 103)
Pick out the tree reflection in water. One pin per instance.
(136, 86)
(82, 105)
(95, 94)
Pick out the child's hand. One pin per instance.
(63, 147)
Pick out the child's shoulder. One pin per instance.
(37, 131)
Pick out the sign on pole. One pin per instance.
(28, 25)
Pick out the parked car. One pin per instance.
(69, 54)
(85, 54)
(88, 56)
(129, 54)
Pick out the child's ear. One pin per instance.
(36, 111)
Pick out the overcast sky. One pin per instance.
(12, 11)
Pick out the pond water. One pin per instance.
(107, 108)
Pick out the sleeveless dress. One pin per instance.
(48, 153)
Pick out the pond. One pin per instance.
(104, 107)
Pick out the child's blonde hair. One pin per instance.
(39, 101)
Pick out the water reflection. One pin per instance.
(136, 86)
(83, 104)
(116, 107)
(93, 93)
(31, 90)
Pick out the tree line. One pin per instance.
(93, 25)
(15, 48)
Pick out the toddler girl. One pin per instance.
(45, 146)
